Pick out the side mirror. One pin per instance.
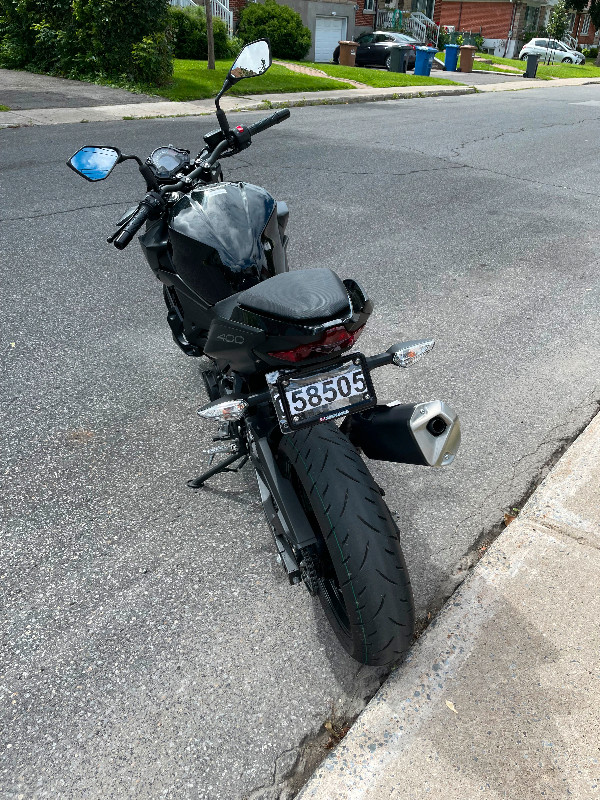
(94, 163)
(254, 59)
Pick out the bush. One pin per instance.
(187, 27)
(86, 38)
(151, 59)
(590, 52)
(281, 25)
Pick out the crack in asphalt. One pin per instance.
(543, 126)
(65, 211)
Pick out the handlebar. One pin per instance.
(268, 122)
(154, 200)
(152, 203)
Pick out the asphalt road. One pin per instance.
(151, 647)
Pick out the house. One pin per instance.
(507, 24)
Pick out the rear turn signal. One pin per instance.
(333, 340)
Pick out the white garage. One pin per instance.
(328, 32)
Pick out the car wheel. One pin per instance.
(567, 60)
(388, 62)
(524, 57)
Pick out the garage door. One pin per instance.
(328, 32)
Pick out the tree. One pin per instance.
(595, 17)
(557, 25)
(210, 35)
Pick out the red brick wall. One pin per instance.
(493, 18)
(588, 39)
(362, 20)
(236, 6)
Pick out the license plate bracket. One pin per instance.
(313, 395)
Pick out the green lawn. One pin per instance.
(376, 77)
(4, 108)
(587, 70)
(192, 81)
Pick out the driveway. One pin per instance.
(21, 90)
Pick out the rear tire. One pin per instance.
(567, 61)
(388, 62)
(363, 581)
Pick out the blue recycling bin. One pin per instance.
(451, 60)
(424, 60)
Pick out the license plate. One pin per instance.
(307, 397)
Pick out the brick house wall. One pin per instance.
(362, 18)
(236, 6)
(493, 18)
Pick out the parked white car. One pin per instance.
(553, 51)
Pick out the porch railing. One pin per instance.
(220, 9)
(414, 23)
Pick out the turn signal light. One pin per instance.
(407, 353)
(223, 410)
(334, 340)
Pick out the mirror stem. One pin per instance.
(146, 172)
(222, 118)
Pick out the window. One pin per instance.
(570, 22)
(541, 42)
(586, 25)
(369, 5)
(532, 14)
(366, 38)
(383, 37)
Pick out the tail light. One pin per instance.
(333, 340)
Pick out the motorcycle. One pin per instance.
(288, 392)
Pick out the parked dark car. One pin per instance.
(374, 48)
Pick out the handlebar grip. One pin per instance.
(132, 227)
(268, 122)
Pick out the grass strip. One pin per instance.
(192, 81)
(378, 78)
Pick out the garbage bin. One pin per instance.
(424, 60)
(532, 65)
(467, 51)
(451, 58)
(398, 58)
(347, 53)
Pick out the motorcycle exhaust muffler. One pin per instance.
(415, 433)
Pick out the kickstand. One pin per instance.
(198, 482)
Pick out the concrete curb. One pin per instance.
(497, 698)
(62, 116)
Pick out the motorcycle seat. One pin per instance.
(303, 295)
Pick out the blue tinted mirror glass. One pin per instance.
(253, 60)
(94, 163)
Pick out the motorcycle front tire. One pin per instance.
(364, 586)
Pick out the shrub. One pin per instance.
(187, 28)
(151, 59)
(281, 25)
(590, 52)
(111, 38)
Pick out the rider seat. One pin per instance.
(300, 296)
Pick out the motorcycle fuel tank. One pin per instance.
(225, 239)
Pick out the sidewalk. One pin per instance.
(500, 696)
(143, 110)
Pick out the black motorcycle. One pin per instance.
(282, 372)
